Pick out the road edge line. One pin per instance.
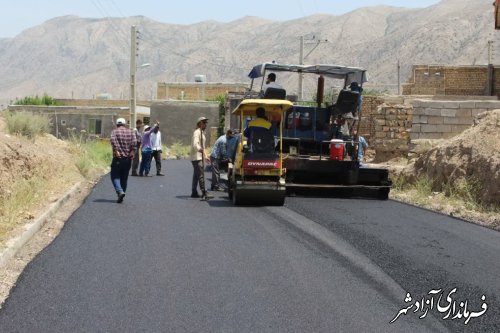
(14, 245)
(346, 250)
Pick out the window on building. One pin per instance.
(95, 126)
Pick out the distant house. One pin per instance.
(93, 116)
(474, 80)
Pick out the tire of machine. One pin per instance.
(230, 189)
(383, 193)
(236, 200)
(280, 201)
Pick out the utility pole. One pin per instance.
(490, 52)
(133, 72)
(301, 62)
(490, 87)
(315, 41)
(399, 79)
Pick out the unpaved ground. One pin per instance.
(467, 165)
(473, 155)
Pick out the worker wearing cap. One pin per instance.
(198, 157)
(123, 143)
(147, 150)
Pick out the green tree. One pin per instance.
(36, 100)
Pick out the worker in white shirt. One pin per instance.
(271, 82)
(156, 147)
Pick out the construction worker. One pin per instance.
(258, 124)
(198, 159)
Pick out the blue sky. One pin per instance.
(17, 15)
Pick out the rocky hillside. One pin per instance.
(81, 57)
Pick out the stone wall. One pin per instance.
(369, 115)
(392, 125)
(197, 91)
(444, 119)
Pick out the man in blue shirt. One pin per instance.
(219, 153)
(362, 145)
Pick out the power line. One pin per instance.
(158, 47)
(120, 34)
(300, 8)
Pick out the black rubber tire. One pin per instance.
(235, 198)
(383, 194)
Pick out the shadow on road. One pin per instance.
(105, 200)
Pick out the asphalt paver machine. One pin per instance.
(318, 141)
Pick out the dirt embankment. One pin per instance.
(473, 156)
(33, 174)
(459, 176)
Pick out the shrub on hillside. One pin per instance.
(27, 124)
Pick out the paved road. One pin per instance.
(420, 250)
(163, 262)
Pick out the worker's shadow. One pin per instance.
(104, 200)
(218, 201)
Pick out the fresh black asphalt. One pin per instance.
(163, 262)
(420, 250)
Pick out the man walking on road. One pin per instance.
(124, 143)
(198, 158)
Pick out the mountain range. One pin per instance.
(75, 57)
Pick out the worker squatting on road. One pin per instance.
(219, 156)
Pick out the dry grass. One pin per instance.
(94, 156)
(179, 150)
(29, 195)
(41, 170)
(27, 124)
(459, 199)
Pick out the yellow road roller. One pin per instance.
(257, 176)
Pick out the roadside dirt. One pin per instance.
(466, 166)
